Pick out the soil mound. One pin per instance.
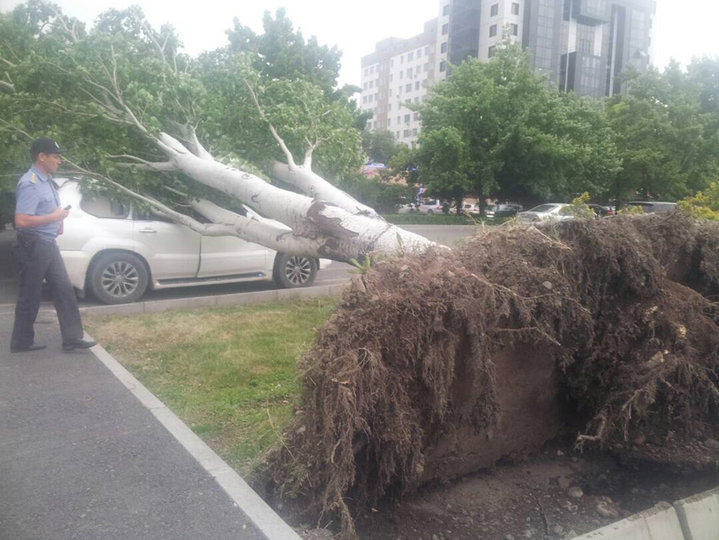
(439, 364)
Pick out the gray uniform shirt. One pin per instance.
(36, 196)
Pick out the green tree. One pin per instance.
(511, 136)
(379, 145)
(666, 133)
(282, 52)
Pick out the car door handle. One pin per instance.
(148, 231)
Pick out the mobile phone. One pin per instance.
(68, 207)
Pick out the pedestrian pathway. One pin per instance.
(81, 457)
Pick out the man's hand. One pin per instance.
(25, 220)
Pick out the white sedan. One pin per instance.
(115, 252)
(545, 212)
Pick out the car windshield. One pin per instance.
(544, 208)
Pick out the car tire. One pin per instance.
(430, 212)
(118, 278)
(293, 271)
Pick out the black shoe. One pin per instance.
(78, 344)
(32, 347)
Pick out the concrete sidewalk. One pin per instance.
(86, 452)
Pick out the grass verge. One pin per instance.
(230, 374)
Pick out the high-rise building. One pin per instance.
(581, 46)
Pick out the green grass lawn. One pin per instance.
(230, 374)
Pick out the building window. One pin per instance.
(416, 70)
(426, 66)
(419, 53)
(493, 30)
(397, 133)
(364, 99)
(389, 122)
(416, 85)
(494, 10)
(515, 8)
(416, 100)
(401, 74)
(443, 47)
(366, 72)
(426, 50)
(407, 132)
(445, 10)
(416, 116)
(410, 56)
(408, 88)
(445, 29)
(371, 84)
(515, 29)
(389, 107)
(414, 131)
(492, 51)
(442, 66)
(406, 119)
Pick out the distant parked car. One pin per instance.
(409, 208)
(505, 210)
(654, 206)
(466, 207)
(545, 212)
(431, 206)
(602, 210)
(116, 252)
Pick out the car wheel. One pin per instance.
(430, 212)
(118, 278)
(294, 271)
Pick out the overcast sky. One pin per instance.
(683, 28)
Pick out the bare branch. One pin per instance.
(8, 62)
(144, 165)
(280, 141)
(7, 85)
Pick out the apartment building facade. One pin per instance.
(580, 46)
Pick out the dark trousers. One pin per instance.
(37, 259)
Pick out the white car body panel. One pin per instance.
(175, 255)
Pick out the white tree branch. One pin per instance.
(280, 140)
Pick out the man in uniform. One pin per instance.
(38, 221)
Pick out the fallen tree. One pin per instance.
(437, 365)
(132, 102)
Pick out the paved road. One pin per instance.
(335, 273)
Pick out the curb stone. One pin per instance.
(257, 510)
(693, 518)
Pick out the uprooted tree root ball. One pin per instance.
(439, 364)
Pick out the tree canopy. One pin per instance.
(505, 133)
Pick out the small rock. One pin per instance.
(435, 537)
(635, 490)
(508, 537)
(560, 453)
(558, 530)
(529, 533)
(575, 492)
(548, 285)
(640, 439)
(712, 443)
(301, 430)
(607, 508)
(571, 534)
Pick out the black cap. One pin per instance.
(45, 146)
